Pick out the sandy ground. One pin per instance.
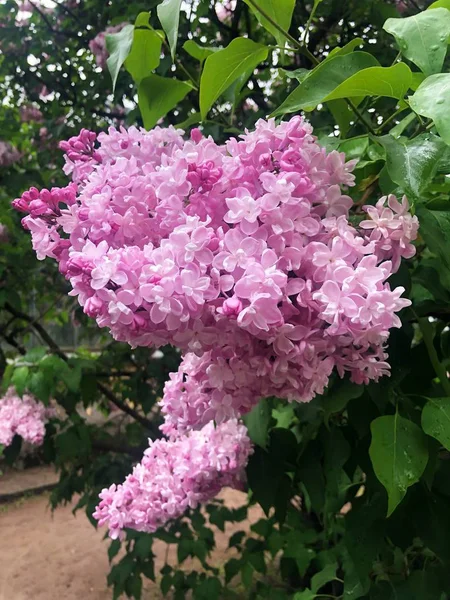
(45, 556)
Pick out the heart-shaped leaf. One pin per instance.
(423, 38)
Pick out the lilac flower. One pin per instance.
(241, 255)
(176, 475)
(23, 416)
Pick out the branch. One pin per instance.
(121, 448)
(102, 388)
(215, 19)
(235, 22)
(12, 342)
(50, 27)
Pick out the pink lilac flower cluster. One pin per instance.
(98, 44)
(175, 475)
(241, 255)
(23, 416)
(8, 154)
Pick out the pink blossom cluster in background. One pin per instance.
(98, 44)
(23, 416)
(30, 113)
(224, 9)
(175, 475)
(241, 255)
(8, 154)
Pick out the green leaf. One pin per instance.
(148, 570)
(339, 396)
(113, 549)
(342, 114)
(118, 46)
(169, 15)
(436, 420)
(399, 455)
(416, 80)
(191, 120)
(412, 164)
(226, 66)
(431, 100)
(423, 38)
(197, 51)
(440, 4)
(324, 576)
(298, 74)
(145, 53)
(352, 44)
(337, 452)
(20, 379)
(35, 355)
(260, 470)
(232, 568)
(257, 422)
(435, 229)
(40, 386)
(392, 82)
(364, 537)
(237, 537)
(143, 546)
(283, 415)
(72, 378)
(323, 79)
(247, 574)
(133, 586)
(280, 11)
(354, 147)
(158, 95)
(305, 595)
(402, 125)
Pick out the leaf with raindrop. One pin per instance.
(423, 38)
(436, 420)
(399, 455)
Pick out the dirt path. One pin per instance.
(62, 557)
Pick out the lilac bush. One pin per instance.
(241, 255)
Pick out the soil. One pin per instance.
(59, 556)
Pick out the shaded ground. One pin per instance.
(62, 557)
